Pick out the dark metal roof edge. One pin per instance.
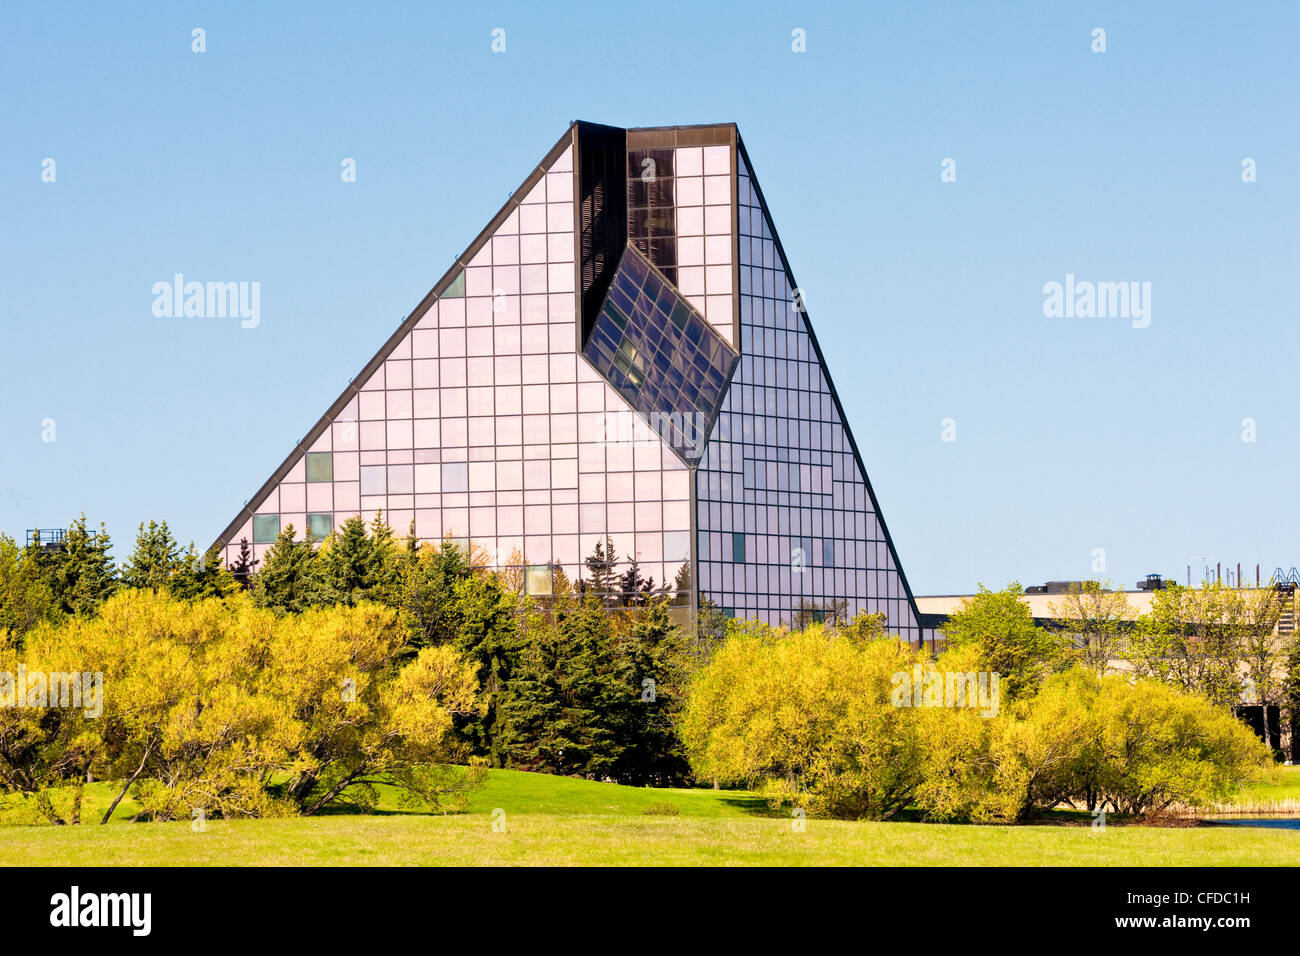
(830, 382)
(412, 319)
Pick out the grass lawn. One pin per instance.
(559, 821)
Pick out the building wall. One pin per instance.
(785, 516)
(484, 423)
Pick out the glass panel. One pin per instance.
(320, 526)
(660, 355)
(738, 547)
(266, 528)
(537, 579)
(455, 476)
(457, 288)
(320, 466)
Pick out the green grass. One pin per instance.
(561, 821)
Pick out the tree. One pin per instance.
(1001, 629)
(1264, 651)
(245, 565)
(568, 708)
(288, 581)
(601, 579)
(654, 660)
(227, 708)
(1095, 619)
(808, 718)
(633, 589)
(359, 564)
(26, 598)
(487, 637)
(429, 593)
(361, 717)
(203, 577)
(81, 573)
(1193, 639)
(155, 560)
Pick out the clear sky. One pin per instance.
(1072, 434)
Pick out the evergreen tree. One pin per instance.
(288, 581)
(360, 564)
(245, 564)
(569, 704)
(635, 590)
(601, 579)
(654, 663)
(156, 559)
(26, 598)
(203, 577)
(81, 574)
(488, 636)
(429, 593)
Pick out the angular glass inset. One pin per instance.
(660, 355)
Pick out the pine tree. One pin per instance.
(601, 579)
(288, 580)
(245, 565)
(569, 705)
(429, 594)
(488, 636)
(654, 663)
(359, 564)
(26, 597)
(155, 560)
(635, 590)
(203, 577)
(81, 573)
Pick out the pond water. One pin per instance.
(1274, 823)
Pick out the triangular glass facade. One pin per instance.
(633, 277)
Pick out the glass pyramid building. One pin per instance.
(619, 358)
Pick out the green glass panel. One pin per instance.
(320, 526)
(320, 466)
(266, 528)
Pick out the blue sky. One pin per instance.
(1072, 434)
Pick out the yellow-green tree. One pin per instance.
(808, 719)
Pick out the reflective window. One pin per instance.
(538, 580)
(320, 466)
(660, 355)
(266, 528)
(455, 476)
(320, 526)
(457, 288)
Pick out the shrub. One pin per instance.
(807, 718)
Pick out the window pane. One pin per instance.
(320, 526)
(266, 528)
(455, 476)
(738, 547)
(537, 579)
(320, 466)
(374, 479)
